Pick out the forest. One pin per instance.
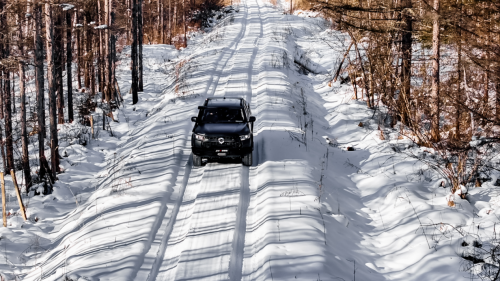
(376, 139)
(68, 48)
(434, 65)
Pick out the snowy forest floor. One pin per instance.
(130, 206)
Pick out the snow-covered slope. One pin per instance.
(307, 209)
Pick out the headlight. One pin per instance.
(199, 137)
(244, 137)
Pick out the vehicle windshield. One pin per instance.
(222, 115)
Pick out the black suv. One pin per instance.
(223, 129)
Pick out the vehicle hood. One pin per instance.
(222, 128)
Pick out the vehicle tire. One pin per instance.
(247, 159)
(196, 160)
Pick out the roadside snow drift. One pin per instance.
(130, 206)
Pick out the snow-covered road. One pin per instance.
(305, 210)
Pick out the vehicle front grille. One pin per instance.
(215, 139)
(214, 142)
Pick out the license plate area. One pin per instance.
(221, 152)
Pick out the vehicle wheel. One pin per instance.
(247, 159)
(196, 160)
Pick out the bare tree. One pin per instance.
(140, 35)
(406, 49)
(69, 60)
(134, 86)
(435, 74)
(58, 63)
(39, 82)
(49, 27)
(24, 133)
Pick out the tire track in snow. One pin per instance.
(168, 222)
(252, 70)
(213, 86)
(207, 247)
(214, 250)
(238, 246)
(183, 205)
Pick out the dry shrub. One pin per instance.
(231, 2)
(302, 5)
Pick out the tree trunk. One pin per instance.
(78, 52)
(459, 86)
(9, 146)
(497, 101)
(435, 104)
(58, 64)
(140, 36)
(13, 93)
(134, 86)
(170, 22)
(162, 25)
(39, 81)
(69, 60)
(2, 115)
(404, 97)
(86, 42)
(100, 60)
(112, 58)
(185, 22)
(107, 66)
(54, 155)
(24, 133)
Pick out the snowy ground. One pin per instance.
(130, 206)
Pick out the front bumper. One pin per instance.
(227, 150)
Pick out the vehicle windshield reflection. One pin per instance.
(222, 115)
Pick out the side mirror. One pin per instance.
(252, 119)
(193, 119)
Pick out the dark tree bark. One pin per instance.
(100, 54)
(134, 86)
(78, 51)
(162, 24)
(406, 49)
(4, 53)
(2, 115)
(86, 43)
(58, 64)
(69, 60)
(49, 27)
(184, 22)
(24, 133)
(112, 58)
(140, 36)
(107, 59)
(9, 147)
(13, 93)
(459, 94)
(39, 81)
(169, 22)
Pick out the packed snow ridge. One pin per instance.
(130, 205)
